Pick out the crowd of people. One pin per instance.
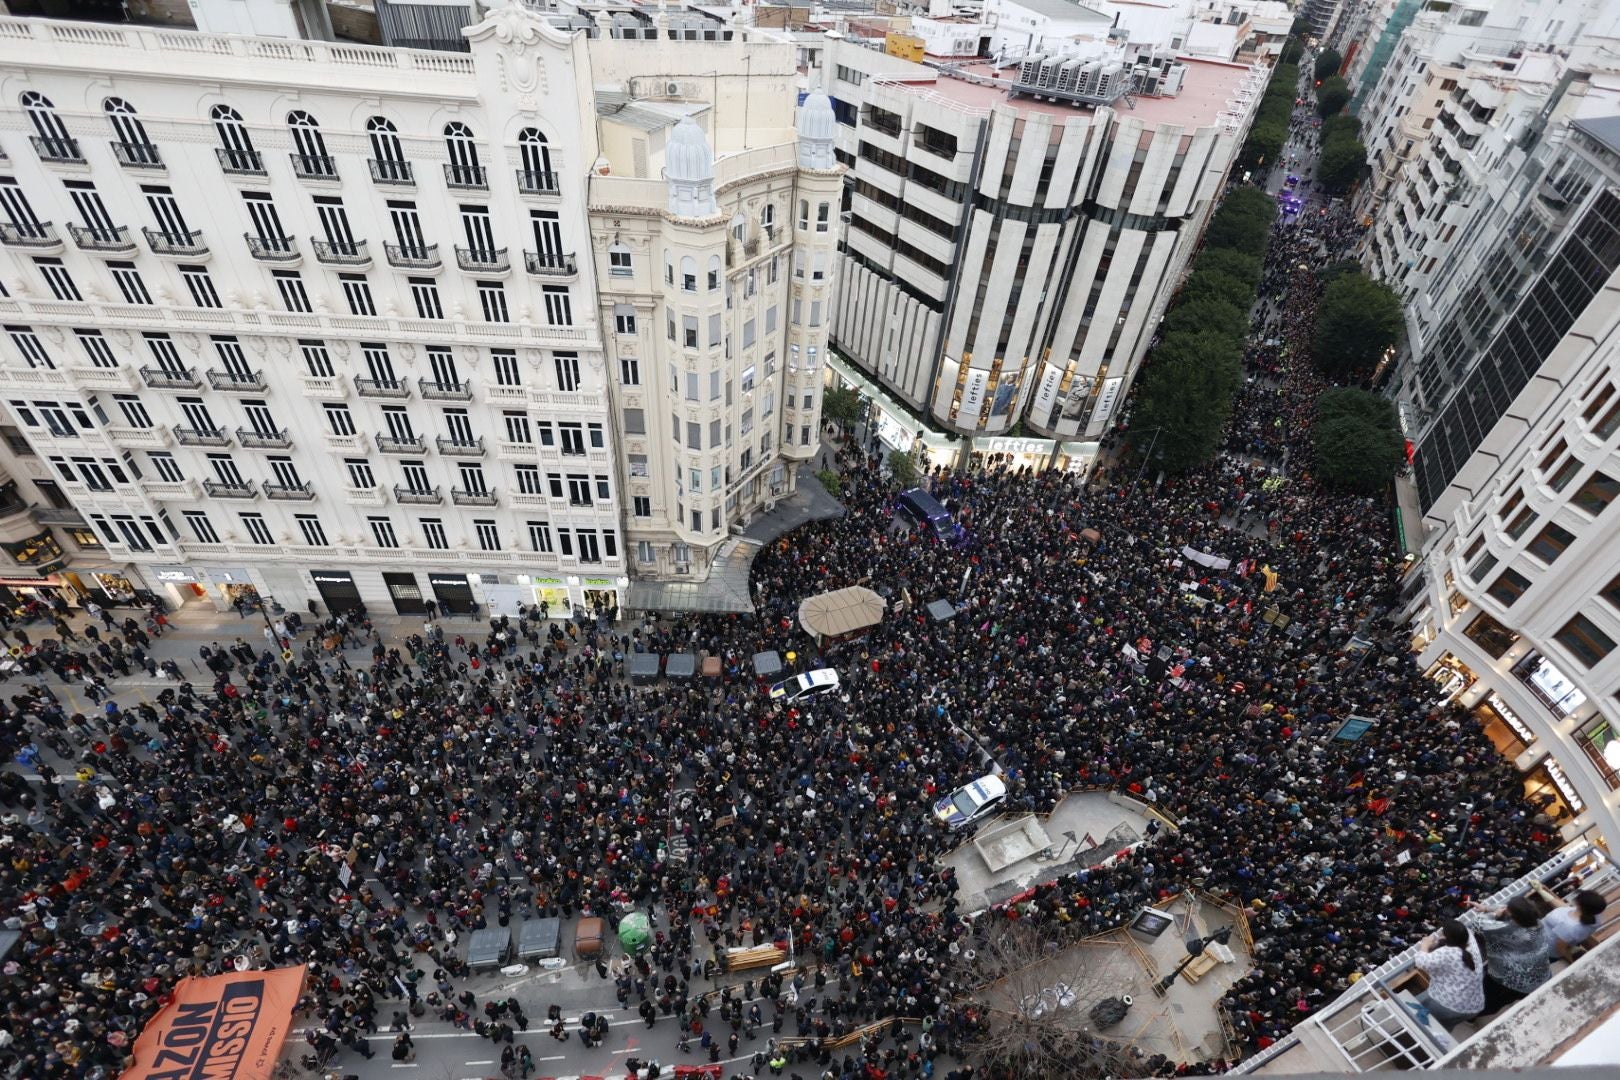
(471, 780)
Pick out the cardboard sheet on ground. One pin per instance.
(226, 1027)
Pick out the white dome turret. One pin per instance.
(689, 170)
(818, 129)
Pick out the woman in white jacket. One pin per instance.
(1456, 971)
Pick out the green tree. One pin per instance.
(1291, 51)
(1243, 222)
(1184, 404)
(1340, 126)
(1328, 62)
(1235, 264)
(902, 468)
(830, 480)
(1341, 162)
(1265, 142)
(1356, 440)
(1332, 96)
(1358, 320)
(1215, 286)
(1207, 314)
(841, 405)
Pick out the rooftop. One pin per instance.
(1209, 88)
(1605, 129)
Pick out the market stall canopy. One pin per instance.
(841, 613)
(204, 1026)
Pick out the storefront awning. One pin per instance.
(725, 590)
(841, 612)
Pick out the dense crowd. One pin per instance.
(515, 772)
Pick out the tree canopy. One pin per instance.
(1235, 264)
(1328, 62)
(1218, 287)
(1207, 314)
(841, 405)
(1359, 318)
(1332, 96)
(1356, 440)
(1341, 161)
(1243, 222)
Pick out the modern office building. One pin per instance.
(326, 321)
(1015, 231)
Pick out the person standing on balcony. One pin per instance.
(1456, 970)
(1515, 953)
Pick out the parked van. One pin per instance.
(927, 510)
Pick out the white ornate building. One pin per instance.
(327, 321)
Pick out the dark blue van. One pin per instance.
(927, 510)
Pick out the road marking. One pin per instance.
(559, 1057)
(491, 1061)
(400, 1065)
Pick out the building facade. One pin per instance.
(1015, 232)
(327, 328)
(1518, 612)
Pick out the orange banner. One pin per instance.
(227, 1027)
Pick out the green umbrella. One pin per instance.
(634, 932)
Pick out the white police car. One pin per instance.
(970, 802)
(810, 684)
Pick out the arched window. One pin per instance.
(767, 217)
(51, 138)
(131, 145)
(537, 176)
(714, 272)
(309, 146)
(388, 164)
(235, 149)
(688, 274)
(463, 170)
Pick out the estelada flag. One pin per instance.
(226, 1027)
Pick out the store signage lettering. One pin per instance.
(1556, 771)
(1511, 718)
(1013, 446)
(331, 579)
(454, 582)
(1105, 402)
(177, 576)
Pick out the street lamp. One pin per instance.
(1195, 949)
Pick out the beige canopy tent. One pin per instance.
(841, 613)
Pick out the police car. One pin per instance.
(970, 802)
(810, 684)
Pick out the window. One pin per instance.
(316, 359)
(200, 286)
(167, 469)
(96, 349)
(635, 422)
(388, 164)
(309, 157)
(416, 476)
(641, 506)
(1551, 542)
(339, 419)
(50, 134)
(258, 532)
(629, 371)
(624, 320)
(489, 537)
(579, 490)
(1521, 522)
(714, 273)
(586, 539)
(517, 427)
(357, 293)
(537, 175)
(1596, 494)
(310, 526)
(554, 485)
(463, 170)
(492, 301)
(1491, 635)
(134, 412)
(644, 551)
(433, 534)
(506, 367)
(559, 311)
(291, 288)
(604, 490)
(1509, 586)
(425, 295)
(619, 264)
(1583, 640)
(540, 536)
(30, 347)
(268, 235)
(1560, 467)
(360, 474)
(567, 367)
(382, 531)
(688, 274)
(59, 281)
(129, 283)
(131, 144)
(689, 331)
(201, 527)
(528, 480)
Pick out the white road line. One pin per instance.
(404, 1065)
(491, 1061)
(559, 1057)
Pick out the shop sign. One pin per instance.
(599, 581)
(1006, 445)
(1565, 788)
(1107, 399)
(1046, 393)
(548, 581)
(331, 577)
(894, 432)
(227, 576)
(1511, 718)
(454, 581)
(177, 575)
(973, 394)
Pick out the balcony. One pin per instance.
(99, 378)
(466, 177)
(432, 390)
(63, 151)
(516, 451)
(547, 264)
(416, 497)
(137, 155)
(495, 393)
(190, 436)
(485, 262)
(314, 166)
(382, 388)
(263, 440)
(396, 444)
(184, 245)
(537, 183)
(365, 496)
(532, 500)
(413, 256)
(345, 444)
(240, 162)
(172, 491)
(39, 237)
(167, 379)
(113, 241)
(58, 515)
(273, 249)
(458, 448)
(289, 492)
(237, 382)
(155, 437)
(226, 489)
(325, 387)
(463, 497)
(351, 254)
(397, 173)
